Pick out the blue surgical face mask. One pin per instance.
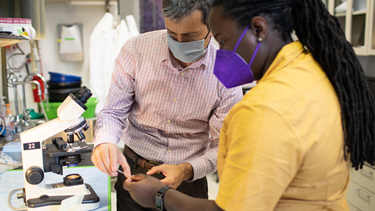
(187, 52)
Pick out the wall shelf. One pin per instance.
(5, 42)
(10, 39)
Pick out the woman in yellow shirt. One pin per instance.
(289, 144)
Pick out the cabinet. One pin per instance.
(357, 22)
(361, 189)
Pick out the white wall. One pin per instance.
(65, 12)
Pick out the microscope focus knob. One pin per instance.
(56, 168)
(34, 175)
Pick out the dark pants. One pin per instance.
(197, 189)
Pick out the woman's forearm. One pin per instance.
(177, 201)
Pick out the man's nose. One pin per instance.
(180, 38)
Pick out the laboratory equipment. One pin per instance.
(3, 109)
(41, 88)
(39, 162)
(21, 125)
(9, 125)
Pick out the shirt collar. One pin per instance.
(205, 60)
(286, 55)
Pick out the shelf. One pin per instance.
(360, 50)
(359, 12)
(5, 42)
(10, 39)
(341, 14)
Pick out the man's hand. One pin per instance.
(106, 157)
(174, 174)
(143, 188)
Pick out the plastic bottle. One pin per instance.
(3, 109)
(9, 125)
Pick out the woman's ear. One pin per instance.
(259, 27)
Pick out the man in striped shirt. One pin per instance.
(166, 105)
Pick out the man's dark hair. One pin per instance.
(321, 33)
(178, 9)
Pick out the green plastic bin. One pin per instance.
(89, 113)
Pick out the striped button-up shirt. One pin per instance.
(165, 113)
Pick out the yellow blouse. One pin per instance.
(281, 147)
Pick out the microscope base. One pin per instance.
(89, 202)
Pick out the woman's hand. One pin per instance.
(143, 189)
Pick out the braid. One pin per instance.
(315, 28)
(320, 32)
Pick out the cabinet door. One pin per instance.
(352, 207)
(360, 197)
(364, 177)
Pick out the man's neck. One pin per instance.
(183, 64)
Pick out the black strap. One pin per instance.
(159, 198)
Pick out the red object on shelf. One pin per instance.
(35, 89)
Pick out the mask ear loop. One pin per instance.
(254, 54)
(207, 34)
(239, 41)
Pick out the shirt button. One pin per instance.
(168, 121)
(169, 151)
(175, 99)
(182, 74)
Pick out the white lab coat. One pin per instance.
(123, 34)
(102, 58)
(105, 44)
(132, 25)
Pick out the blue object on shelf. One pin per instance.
(3, 133)
(59, 77)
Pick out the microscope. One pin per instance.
(38, 162)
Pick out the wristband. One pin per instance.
(159, 198)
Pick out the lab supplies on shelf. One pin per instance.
(17, 27)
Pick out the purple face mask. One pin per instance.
(231, 69)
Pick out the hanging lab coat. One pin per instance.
(132, 25)
(123, 34)
(105, 44)
(102, 58)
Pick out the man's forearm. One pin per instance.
(177, 201)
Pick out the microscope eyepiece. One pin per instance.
(83, 94)
(81, 97)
